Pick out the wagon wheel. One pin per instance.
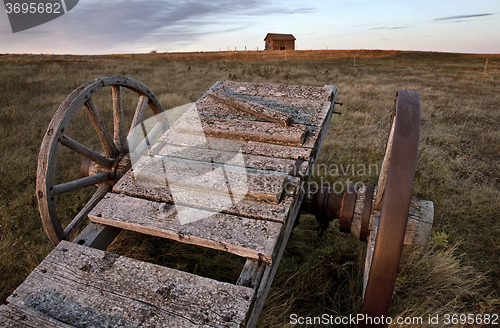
(102, 169)
(393, 200)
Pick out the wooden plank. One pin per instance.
(277, 90)
(245, 207)
(97, 236)
(246, 237)
(12, 316)
(210, 178)
(302, 111)
(258, 162)
(242, 130)
(86, 287)
(252, 273)
(418, 226)
(254, 109)
(247, 147)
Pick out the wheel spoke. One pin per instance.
(81, 217)
(81, 183)
(120, 137)
(106, 141)
(84, 151)
(139, 112)
(158, 129)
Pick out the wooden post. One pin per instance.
(285, 54)
(485, 66)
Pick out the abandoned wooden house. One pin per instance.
(275, 41)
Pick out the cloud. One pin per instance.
(126, 25)
(461, 17)
(391, 28)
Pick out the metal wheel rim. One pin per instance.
(395, 202)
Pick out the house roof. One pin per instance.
(280, 37)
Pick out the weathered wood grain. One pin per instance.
(12, 316)
(210, 178)
(418, 226)
(247, 147)
(85, 287)
(81, 183)
(370, 248)
(243, 130)
(88, 153)
(254, 109)
(247, 208)
(81, 217)
(107, 143)
(246, 237)
(277, 90)
(119, 134)
(258, 162)
(385, 166)
(307, 112)
(252, 273)
(97, 236)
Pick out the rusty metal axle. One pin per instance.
(327, 206)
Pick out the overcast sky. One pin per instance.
(124, 26)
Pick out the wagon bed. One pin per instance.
(276, 130)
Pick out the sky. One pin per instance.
(127, 26)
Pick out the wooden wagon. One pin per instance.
(230, 174)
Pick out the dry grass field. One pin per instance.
(458, 169)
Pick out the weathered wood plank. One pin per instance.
(254, 109)
(258, 162)
(277, 90)
(242, 130)
(307, 112)
(247, 147)
(210, 178)
(418, 226)
(246, 237)
(252, 273)
(86, 287)
(245, 207)
(97, 236)
(12, 316)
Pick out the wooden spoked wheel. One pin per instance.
(102, 168)
(393, 200)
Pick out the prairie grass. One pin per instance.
(458, 169)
